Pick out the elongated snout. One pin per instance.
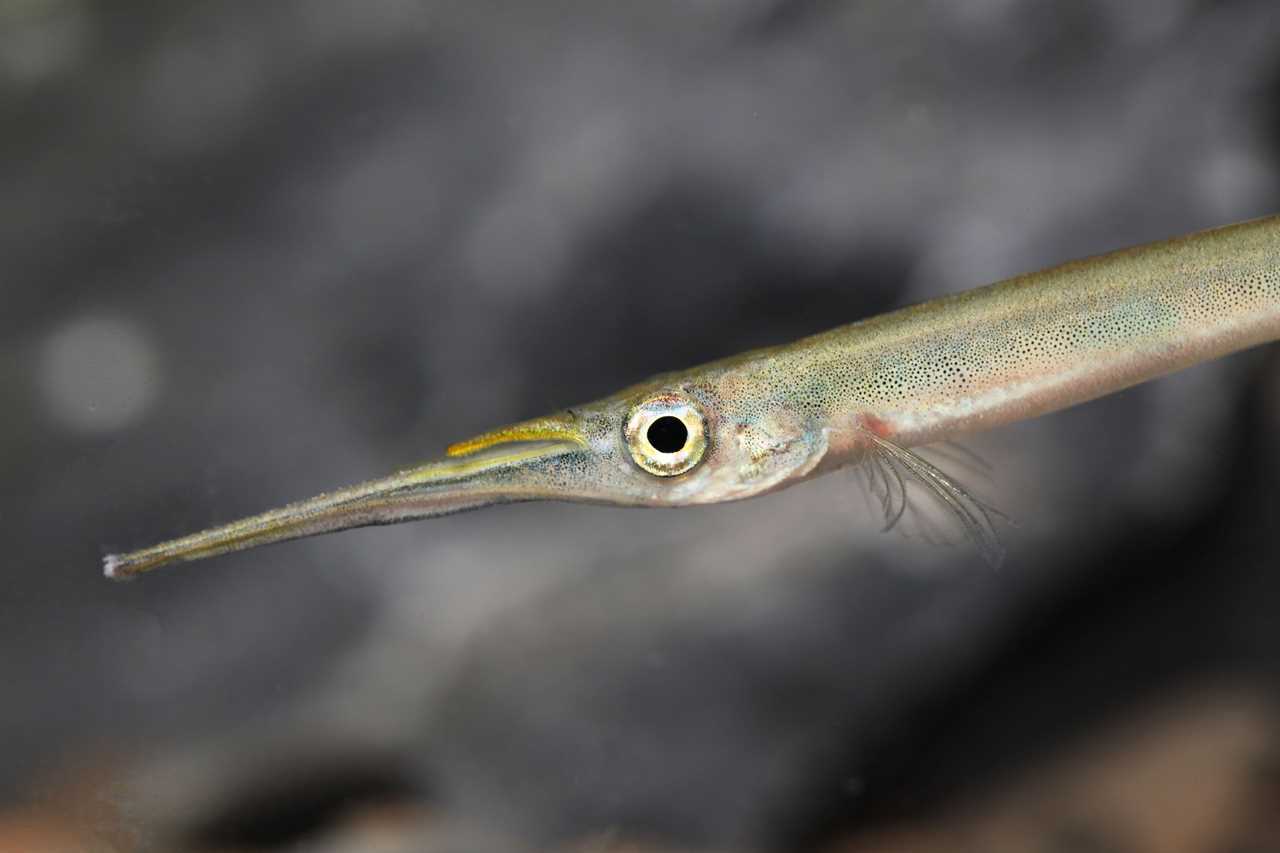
(477, 474)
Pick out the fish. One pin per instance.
(870, 394)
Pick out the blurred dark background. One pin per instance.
(250, 251)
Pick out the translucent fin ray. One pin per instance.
(891, 469)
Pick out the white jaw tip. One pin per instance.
(111, 567)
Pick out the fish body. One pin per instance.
(864, 393)
(1025, 346)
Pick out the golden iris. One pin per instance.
(666, 435)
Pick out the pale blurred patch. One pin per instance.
(98, 373)
(41, 38)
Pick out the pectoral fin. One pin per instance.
(892, 470)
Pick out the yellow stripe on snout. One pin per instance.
(562, 427)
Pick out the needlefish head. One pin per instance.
(674, 440)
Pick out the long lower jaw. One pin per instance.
(438, 488)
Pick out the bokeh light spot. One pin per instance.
(41, 38)
(98, 373)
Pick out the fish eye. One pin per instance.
(666, 435)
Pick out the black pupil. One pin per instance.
(667, 434)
